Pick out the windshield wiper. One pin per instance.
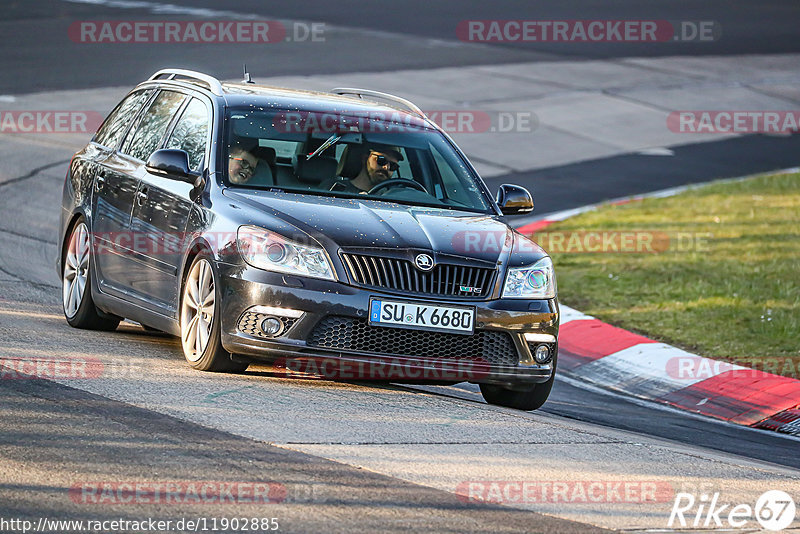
(332, 140)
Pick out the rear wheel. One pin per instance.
(200, 320)
(76, 277)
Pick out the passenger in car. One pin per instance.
(378, 163)
(241, 162)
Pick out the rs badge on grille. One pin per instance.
(469, 289)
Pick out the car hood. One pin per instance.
(369, 224)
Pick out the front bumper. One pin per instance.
(245, 287)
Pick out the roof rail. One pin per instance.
(171, 74)
(361, 93)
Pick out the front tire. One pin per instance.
(525, 398)
(76, 277)
(200, 320)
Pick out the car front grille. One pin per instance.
(402, 276)
(348, 334)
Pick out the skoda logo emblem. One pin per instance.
(423, 262)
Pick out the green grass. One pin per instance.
(735, 297)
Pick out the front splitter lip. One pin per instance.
(303, 361)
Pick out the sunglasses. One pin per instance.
(382, 161)
(246, 166)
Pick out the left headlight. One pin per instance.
(273, 252)
(537, 281)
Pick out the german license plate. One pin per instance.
(405, 314)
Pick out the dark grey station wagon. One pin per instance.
(341, 235)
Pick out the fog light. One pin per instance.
(541, 354)
(271, 326)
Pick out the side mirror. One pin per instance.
(171, 163)
(514, 200)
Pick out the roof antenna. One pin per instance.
(247, 78)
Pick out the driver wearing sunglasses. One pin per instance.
(377, 165)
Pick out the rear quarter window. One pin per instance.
(120, 118)
(153, 125)
(191, 132)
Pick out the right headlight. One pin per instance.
(273, 252)
(537, 281)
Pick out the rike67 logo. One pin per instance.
(774, 510)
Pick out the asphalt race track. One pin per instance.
(410, 34)
(345, 457)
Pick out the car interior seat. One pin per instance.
(314, 171)
(350, 162)
(267, 166)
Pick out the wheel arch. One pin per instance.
(65, 237)
(197, 247)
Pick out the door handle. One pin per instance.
(141, 196)
(100, 182)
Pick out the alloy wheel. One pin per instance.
(197, 310)
(76, 269)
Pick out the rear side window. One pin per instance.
(191, 133)
(118, 120)
(153, 125)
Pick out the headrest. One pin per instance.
(315, 170)
(350, 164)
(265, 153)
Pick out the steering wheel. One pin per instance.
(398, 181)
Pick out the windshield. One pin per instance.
(399, 160)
